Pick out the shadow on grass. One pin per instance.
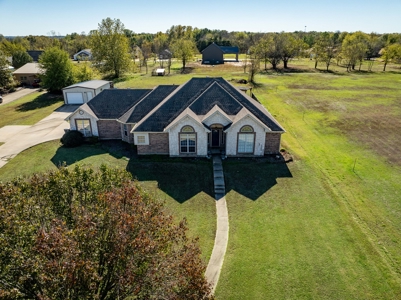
(70, 156)
(41, 101)
(253, 177)
(181, 179)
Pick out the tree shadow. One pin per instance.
(69, 156)
(253, 177)
(40, 101)
(180, 178)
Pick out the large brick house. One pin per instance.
(187, 120)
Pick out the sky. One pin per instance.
(42, 17)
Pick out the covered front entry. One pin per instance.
(217, 138)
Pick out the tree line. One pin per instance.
(117, 50)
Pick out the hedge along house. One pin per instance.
(201, 116)
(214, 54)
(82, 92)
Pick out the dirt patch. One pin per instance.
(311, 87)
(377, 127)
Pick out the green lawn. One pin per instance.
(329, 231)
(29, 109)
(325, 226)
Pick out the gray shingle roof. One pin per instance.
(215, 95)
(229, 49)
(200, 95)
(113, 103)
(154, 98)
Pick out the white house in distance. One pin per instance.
(85, 54)
(201, 116)
(82, 92)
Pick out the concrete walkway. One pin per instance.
(18, 94)
(220, 244)
(19, 138)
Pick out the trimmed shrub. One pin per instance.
(72, 138)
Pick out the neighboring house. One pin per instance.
(214, 54)
(27, 73)
(85, 54)
(82, 92)
(165, 54)
(35, 54)
(188, 120)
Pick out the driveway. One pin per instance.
(19, 138)
(17, 94)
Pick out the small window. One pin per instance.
(141, 139)
(125, 130)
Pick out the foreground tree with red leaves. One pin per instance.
(81, 234)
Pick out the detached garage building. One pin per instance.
(82, 92)
(214, 54)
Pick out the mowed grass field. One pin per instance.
(331, 229)
(325, 226)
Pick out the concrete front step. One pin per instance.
(218, 173)
(219, 181)
(218, 176)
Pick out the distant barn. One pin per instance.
(214, 54)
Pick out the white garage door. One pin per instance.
(75, 98)
(89, 95)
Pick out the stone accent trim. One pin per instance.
(272, 143)
(158, 144)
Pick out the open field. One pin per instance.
(325, 226)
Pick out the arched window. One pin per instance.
(246, 128)
(246, 139)
(187, 128)
(187, 140)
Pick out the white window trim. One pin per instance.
(138, 142)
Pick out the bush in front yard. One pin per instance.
(72, 138)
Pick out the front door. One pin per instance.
(215, 138)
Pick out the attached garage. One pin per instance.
(83, 92)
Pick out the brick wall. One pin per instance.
(158, 144)
(272, 143)
(127, 138)
(109, 129)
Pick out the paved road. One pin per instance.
(16, 95)
(19, 138)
